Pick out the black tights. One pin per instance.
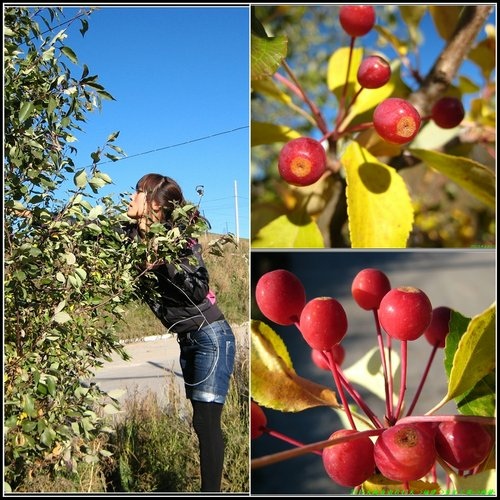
(207, 425)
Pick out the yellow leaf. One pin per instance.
(337, 70)
(274, 382)
(378, 204)
(379, 484)
(399, 45)
(475, 355)
(290, 231)
(268, 87)
(445, 19)
(478, 179)
(269, 133)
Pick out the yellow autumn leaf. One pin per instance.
(269, 133)
(379, 206)
(274, 382)
(296, 230)
(471, 175)
(378, 484)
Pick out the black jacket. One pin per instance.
(179, 295)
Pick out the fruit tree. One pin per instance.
(68, 269)
(402, 101)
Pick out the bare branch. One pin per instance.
(448, 63)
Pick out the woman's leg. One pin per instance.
(207, 425)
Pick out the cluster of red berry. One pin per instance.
(402, 448)
(302, 161)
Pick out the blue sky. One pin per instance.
(180, 77)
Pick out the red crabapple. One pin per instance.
(404, 453)
(374, 72)
(357, 20)
(448, 112)
(369, 287)
(396, 120)
(319, 360)
(439, 327)
(258, 420)
(463, 445)
(302, 161)
(350, 463)
(280, 296)
(323, 323)
(405, 313)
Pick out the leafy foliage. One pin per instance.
(69, 268)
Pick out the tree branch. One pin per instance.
(448, 63)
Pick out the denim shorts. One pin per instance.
(207, 361)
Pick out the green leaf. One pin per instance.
(47, 437)
(104, 177)
(25, 111)
(28, 405)
(70, 258)
(80, 178)
(85, 26)
(94, 228)
(378, 204)
(477, 179)
(274, 383)
(50, 382)
(475, 354)
(113, 136)
(267, 55)
(430, 136)
(269, 133)
(296, 230)
(61, 317)
(480, 400)
(106, 95)
(69, 54)
(96, 183)
(95, 212)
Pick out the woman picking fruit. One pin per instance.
(181, 300)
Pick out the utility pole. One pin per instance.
(236, 212)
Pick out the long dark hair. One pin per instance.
(165, 192)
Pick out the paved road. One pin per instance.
(153, 362)
(463, 280)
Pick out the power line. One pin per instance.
(172, 146)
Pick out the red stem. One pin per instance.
(289, 440)
(422, 381)
(356, 396)
(338, 383)
(391, 375)
(341, 114)
(388, 395)
(315, 111)
(404, 366)
(346, 112)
